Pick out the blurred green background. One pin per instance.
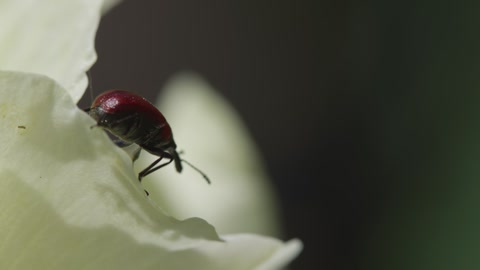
(365, 111)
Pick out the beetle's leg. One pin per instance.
(150, 169)
(145, 171)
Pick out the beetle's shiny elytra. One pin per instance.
(134, 119)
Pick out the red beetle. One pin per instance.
(133, 119)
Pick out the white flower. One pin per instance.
(69, 196)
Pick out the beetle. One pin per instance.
(133, 119)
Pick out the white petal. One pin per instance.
(268, 253)
(50, 37)
(70, 199)
(207, 128)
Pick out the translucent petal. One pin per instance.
(50, 37)
(207, 128)
(70, 199)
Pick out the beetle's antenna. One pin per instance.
(198, 170)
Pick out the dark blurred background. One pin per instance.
(365, 112)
